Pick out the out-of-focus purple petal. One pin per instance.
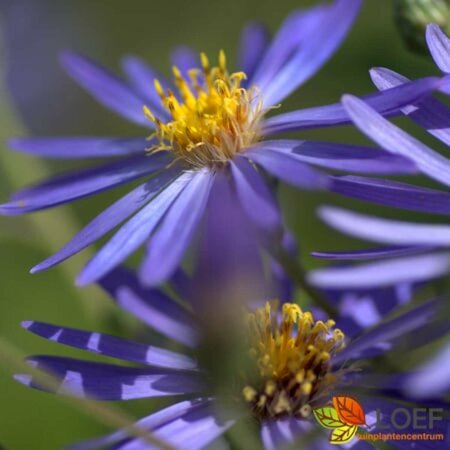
(389, 329)
(290, 35)
(79, 147)
(110, 218)
(395, 140)
(151, 422)
(288, 168)
(112, 346)
(321, 42)
(142, 77)
(133, 233)
(433, 378)
(167, 246)
(277, 434)
(392, 193)
(105, 87)
(385, 273)
(430, 113)
(255, 197)
(386, 103)
(193, 431)
(371, 253)
(254, 40)
(112, 382)
(185, 58)
(151, 306)
(385, 230)
(439, 46)
(343, 157)
(81, 183)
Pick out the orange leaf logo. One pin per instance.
(349, 410)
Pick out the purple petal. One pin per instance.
(431, 379)
(392, 193)
(395, 140)
(386, 103)
(192, 431)
(429, 112)
(185, 58)
(384, 230)
(111, 217)
(343, 157)
(79, 147)
(253, 43)
(388, 330)
(168, 244)
(142, 77)
(112, 382)
(131, 235)
(291, 34)
(278, 433)
(439, 46)
(386, 273)
(321, 42)
(371, 253)
(105, 87)
(288, 168)
(255, 197)
(115, 347)
(151, 306)
(81, 183)
(151, 422)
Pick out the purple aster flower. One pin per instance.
(207, 124)
(294, 363)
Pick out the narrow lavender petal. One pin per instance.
(433, 378)
(153, 421)
(392, 193)
(79, 184)
(320, 44)
(345, 157)
(430, 113)
(131, 235)
(185, 58)
(371, 253)
(79, 147)
(105, 87)
(385, 273)
(288, 169)
(113, 346)
(439, 46)
(192, 431)
(290, 36)
(255, 197)
(142, 77)
(384, 230)
(112, 382)
(110, 218)
(254, 40)
(396, 141)
(386, 103)
(279, 433)
(389, 329)
(170, 241)
(151, 306)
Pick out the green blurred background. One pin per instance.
(37, 98)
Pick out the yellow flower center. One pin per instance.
(292, 360)
(212, 118)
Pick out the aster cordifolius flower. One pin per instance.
(294, 363)
(208, 122)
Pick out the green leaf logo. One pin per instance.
(328, 417)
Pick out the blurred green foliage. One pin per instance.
(45, 101)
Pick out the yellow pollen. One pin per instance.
(292, 353)
(212, 117)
